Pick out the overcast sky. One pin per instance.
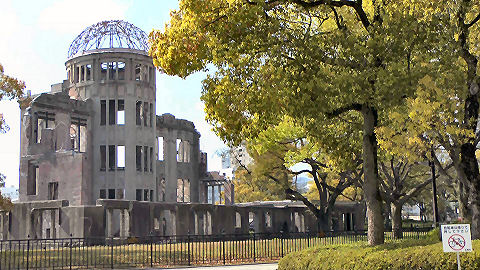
(34, 40)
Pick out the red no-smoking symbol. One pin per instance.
(456, 242)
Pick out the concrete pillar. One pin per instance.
(109, 222)
(228, 190)
(124, 223)
(38, 227)
(213, 194)
(53, 224)
(302, 223)
(201, 223)
(220, 194)
(2, 220)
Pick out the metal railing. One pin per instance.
(166, 251)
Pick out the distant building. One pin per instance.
(239, 157)
(10, 192)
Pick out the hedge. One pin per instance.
(403, 254)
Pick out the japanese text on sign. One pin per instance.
(456, 238)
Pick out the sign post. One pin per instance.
(456, 238)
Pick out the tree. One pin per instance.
(311, 60)
(249, 188)
(270, 176)
(5, 202)
(401, 181)
(10, 88)
(445, 112)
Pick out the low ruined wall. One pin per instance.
(123, 218)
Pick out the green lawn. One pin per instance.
(48, 255)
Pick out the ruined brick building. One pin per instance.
(95, 159)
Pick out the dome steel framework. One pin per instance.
(109, 34)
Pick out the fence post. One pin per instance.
(223, 247)
(188, 247)
(281, 242)
(111, 252)
(254, 250)
(28, 249)
(151, 250)
(71, 244)
(308, 239)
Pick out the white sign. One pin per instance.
(456, 238)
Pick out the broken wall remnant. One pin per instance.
(45, 162)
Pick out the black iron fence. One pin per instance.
(166, 251)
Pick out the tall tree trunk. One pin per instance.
(468, 160)
(371, 182)
(387, 213)
(463, 194)
(397, 220)
(322, 222)
(470, 167)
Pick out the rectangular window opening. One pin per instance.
(103, 157)
(53, 191)
(111, 112)
(138, 73)
(103, 112)
(138, 158)
(111, 157)
(121, 70)
(151, 195)
(120, 194)
(74, 136)
(151, 73)
(82, 73)
(111, 70)
(77, 75)
(121, 112)
(103, 71)
(111, 194)
(103, 194)
(145, 195)
(145, 113)
(33, 175)
(88, 72)
(121, 157)
(151, 115)
(160, 148)
(138, 194)
(179, 155)
(180, 189)
(138, 109)
(145, 158)
(151, 159)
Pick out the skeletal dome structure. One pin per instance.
(109, 35)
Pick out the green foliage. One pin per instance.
(434, 235)
(397, 255)
(10, 88)
(249, 188)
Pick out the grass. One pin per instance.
(46, 254)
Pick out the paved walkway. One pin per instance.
(263, 266)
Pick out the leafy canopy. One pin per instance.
(279, 58)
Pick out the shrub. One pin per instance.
(404, 254)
